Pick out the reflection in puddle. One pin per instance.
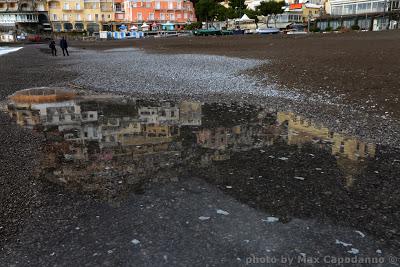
(277, 161)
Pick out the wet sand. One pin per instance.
(360, 68)
(54, 224)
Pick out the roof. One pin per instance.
(310, 5)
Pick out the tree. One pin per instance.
(271, 7)
(221, 12)
(252, 14)
(237, 4)
(205, 9)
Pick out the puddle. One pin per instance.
(285, 164)
(5, 49)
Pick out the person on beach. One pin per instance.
(64, 46)
(52, 46)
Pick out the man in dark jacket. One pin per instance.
(52, 46)
(64, 46)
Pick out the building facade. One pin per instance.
(28, 15)
(80, 15)
(156, 13)
(365, 15)
(93, 15)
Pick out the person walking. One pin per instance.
(64, 46)
(52, 46)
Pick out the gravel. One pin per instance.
(218, 78)
(134, 71)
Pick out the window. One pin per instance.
(179, 5)
(170, 5)
(162, 16)
(139, 16)
(78, 6)
(148, 5)
(66, 6)
(179, 16)
(134, 4)
(55, 17)
(96, 17)
(337, 10)
(185, 15)
(151, 16)
(171, 16)
(89, 17)
(78, 16)
(157, 5)
(65, 17)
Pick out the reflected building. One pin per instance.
(101, 140)
(93, 141)
(350, 151)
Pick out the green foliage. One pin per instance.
(193, 26)
(211, 10)
(205, 9)
(315, 29)
(328, 29)
(271, 7)
(237, 4)
(355, 28)
(252, 14)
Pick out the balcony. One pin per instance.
(106, 9)
(72, 9)
(26, 18)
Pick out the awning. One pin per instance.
(93, 27)
(168, 24)
(79, 26)
(68, 26)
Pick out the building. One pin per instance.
(307, 11)
(366, 15)
(24, 15)
(93, 16)
(119, 14)
(81, 15)
(174, 14)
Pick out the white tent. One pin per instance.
(245, 18)
(133, 28)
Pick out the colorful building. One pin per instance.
(167, 15)
(94, 15)
(80, 15)
(27, 15)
